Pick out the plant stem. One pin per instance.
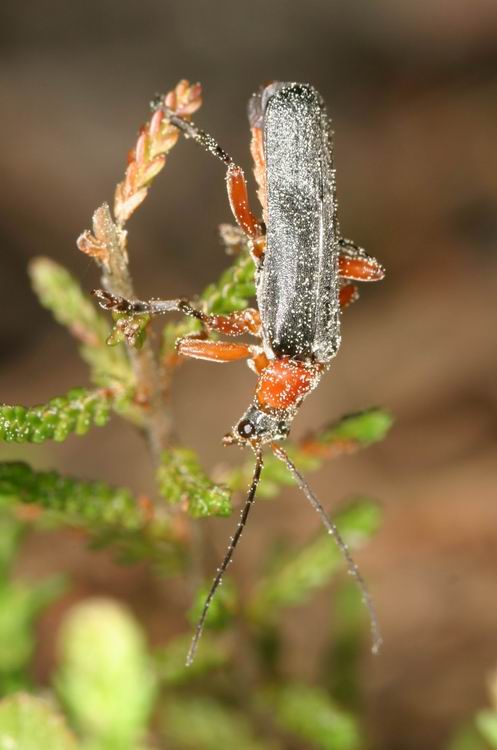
(116, 278)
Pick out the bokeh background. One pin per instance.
(412, 89)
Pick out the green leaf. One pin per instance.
(182, 480)
(61, 293)
(234, 288)
(300, 573)
(231, 292)
(20, 605)
(467, 738)
(105, 676)
(486, 721)
(11, 534)
(74, 413)
(29, 723)
(130, 329)
(340, 667)
(170, 660)
(86, 503)
(110, 514)
(350, 433)
(204, 724)
(310, 715)
(365, 427)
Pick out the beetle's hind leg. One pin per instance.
(348, 294)
(355, 264)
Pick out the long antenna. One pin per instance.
(229, 554)
(340, 542)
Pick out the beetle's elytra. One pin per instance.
(298, 290)
(305, 274)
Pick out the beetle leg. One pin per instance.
(238, 198)
(236, 323)
(233, 324)
(114, 302)
(246, 219)
(360, 269)
(235, 179)
(190, 130)
(212, 351)
(257, 151)
(355, 264)
(348, 293)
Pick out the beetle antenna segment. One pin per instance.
(340, 542)
(229, 554)
(190, 130)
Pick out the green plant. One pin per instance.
(109, 683)
(481, 732)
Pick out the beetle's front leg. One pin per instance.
(114, 302)
(235, 180)
(232, 324)
(246, 219)
(238, 198)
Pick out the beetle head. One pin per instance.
(257, 426)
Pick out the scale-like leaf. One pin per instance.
(349, 434)
(206, 724)
(298, 574)
(61, 293)
(309, 714)
(182, 480)
(105, 676)
(74, 413)
(29, 723)
(170, 660)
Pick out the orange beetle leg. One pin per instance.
(238, 197)
(360, 268)
(348, 294)
(212, 351)
(259, 362)
(257, 151)
(236, 323)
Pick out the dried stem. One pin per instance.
(107, 245)
(116, 278)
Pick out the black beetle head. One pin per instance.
(259, 427)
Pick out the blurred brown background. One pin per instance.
(412, 89)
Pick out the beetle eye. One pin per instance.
(246, 428)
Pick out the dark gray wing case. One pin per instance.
(297, 289)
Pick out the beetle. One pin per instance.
(305, 276)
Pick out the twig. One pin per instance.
(116, 278)
(107, 245)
